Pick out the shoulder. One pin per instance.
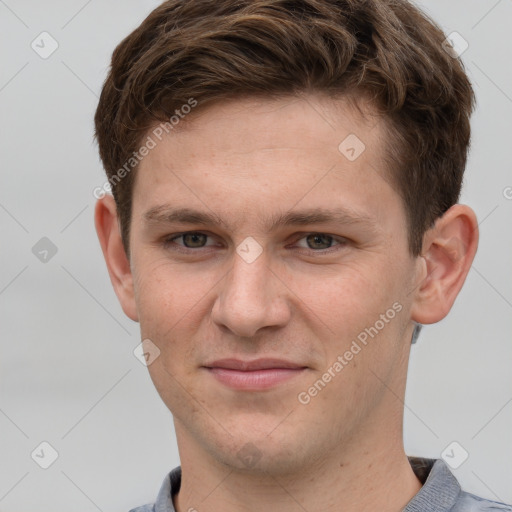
(144, 508)
(170, 486)
(468, 502)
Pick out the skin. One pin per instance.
(304, 299)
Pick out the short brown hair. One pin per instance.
(387, 51)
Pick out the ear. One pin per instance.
(448, 252)
(107, 228)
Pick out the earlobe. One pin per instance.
(448, 252)
(107, 228)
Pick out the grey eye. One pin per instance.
(319, 241)
(194, 240)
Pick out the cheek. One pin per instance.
(346, 297)
(165, 295)
(358, 314)
(169, 303)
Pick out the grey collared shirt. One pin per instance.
(441, 492)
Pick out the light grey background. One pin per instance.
(68, 373)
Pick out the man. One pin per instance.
(285, 178)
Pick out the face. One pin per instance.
(271, 270)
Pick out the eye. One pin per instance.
(320, 241)
(196, 240)
(190, 240)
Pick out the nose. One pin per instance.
(251, 297)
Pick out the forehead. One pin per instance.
(290, 121)
(252, 155)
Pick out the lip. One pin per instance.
(255, 375)
(256, 364)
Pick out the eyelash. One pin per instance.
(169, 241)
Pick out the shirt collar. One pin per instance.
(440, 488)
(170, 487)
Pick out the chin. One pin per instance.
(280, 453)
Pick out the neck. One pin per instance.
(362, 475)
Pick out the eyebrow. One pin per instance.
(165, 214)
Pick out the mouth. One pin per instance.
(254, 375)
